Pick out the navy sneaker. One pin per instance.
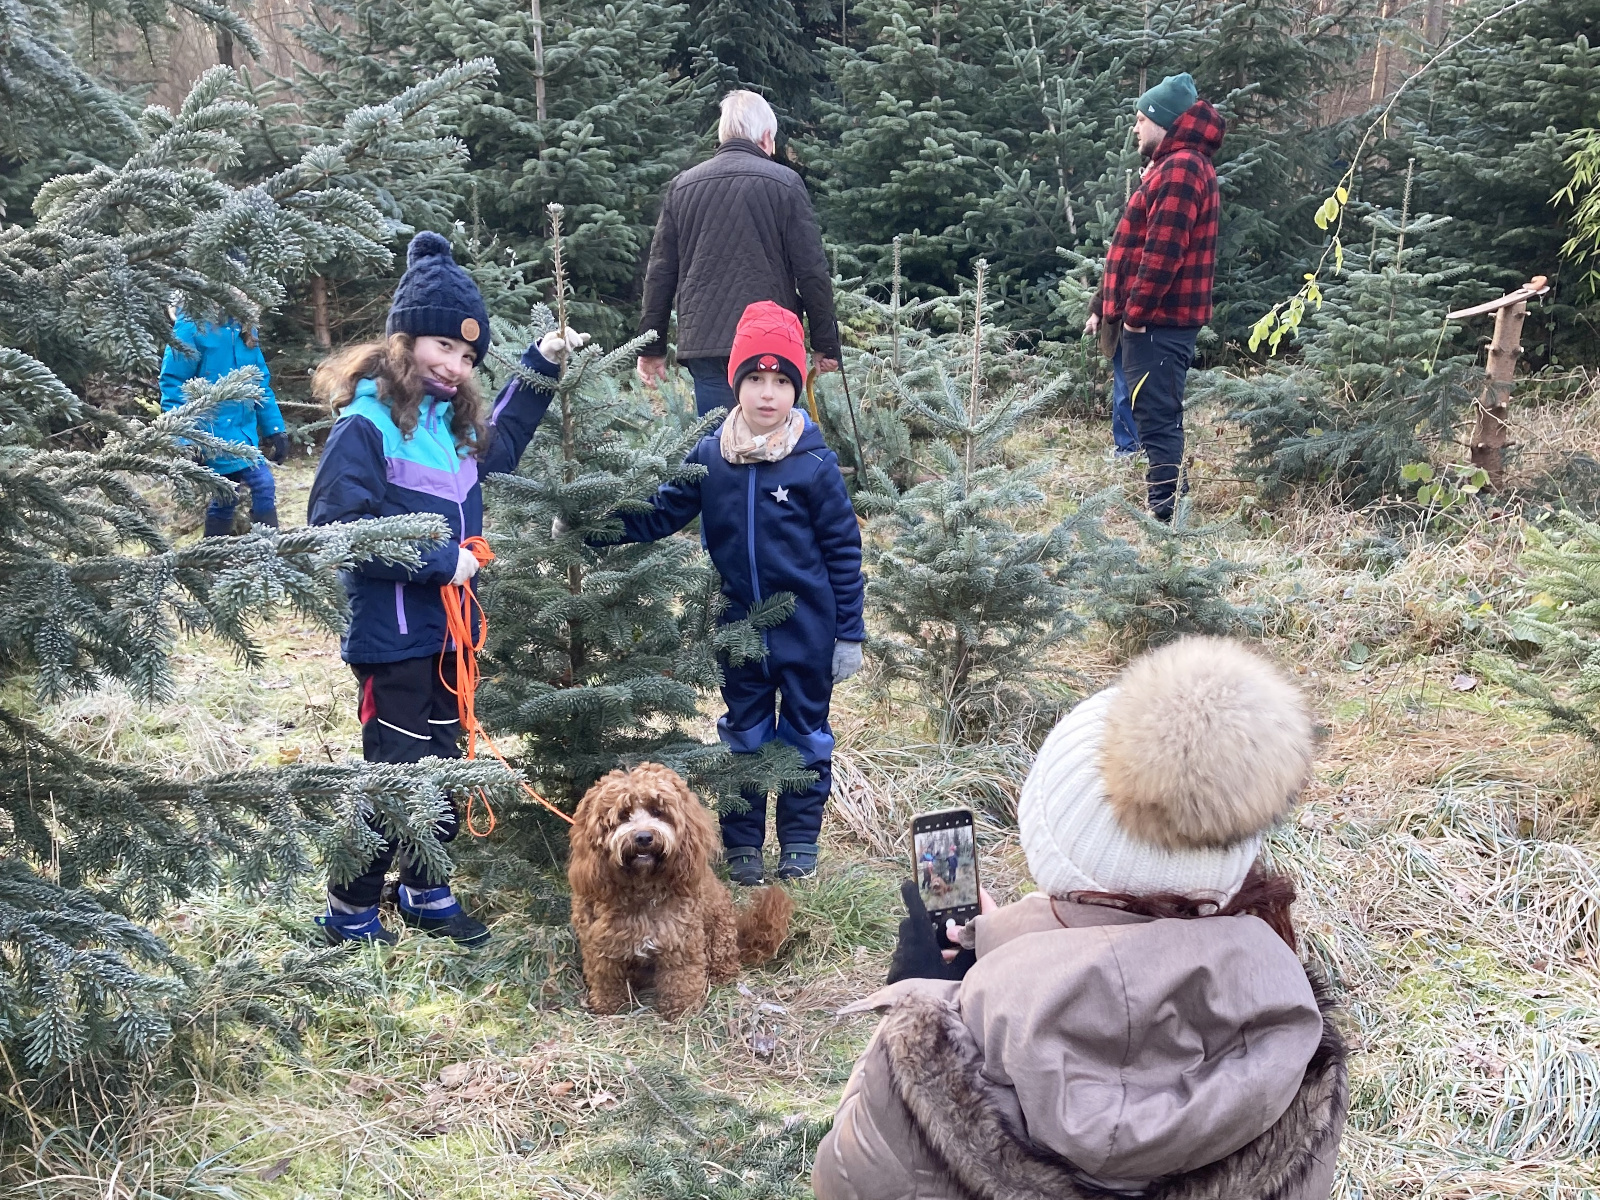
(362, 926)
(744, 865)
(797, 860)
(437, 913)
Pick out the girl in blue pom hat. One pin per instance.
(413, 435)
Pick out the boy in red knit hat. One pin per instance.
(776, 518)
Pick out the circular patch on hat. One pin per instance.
(767, 363)
(469, 330)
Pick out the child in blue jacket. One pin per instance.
(412, 435)
(776, 518)
(209, 351)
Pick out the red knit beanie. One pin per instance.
(769, 338)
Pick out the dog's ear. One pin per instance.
(697, 834)
(587, 861)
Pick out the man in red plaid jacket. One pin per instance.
(1159, 270)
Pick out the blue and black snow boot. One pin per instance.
(438, 913)
(797, 860)
(744, 865)
(362, 926)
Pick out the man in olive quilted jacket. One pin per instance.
(734, 230)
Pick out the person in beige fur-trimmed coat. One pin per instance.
(1142, 1024)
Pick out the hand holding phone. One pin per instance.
(942, 892)
(944, 864)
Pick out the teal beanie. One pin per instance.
(1169, 99)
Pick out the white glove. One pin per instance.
(466, 566)
(558, 527)
(846, 660)
(558, 342)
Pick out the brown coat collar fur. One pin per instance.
(936, 1068)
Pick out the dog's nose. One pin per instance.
(644, 839)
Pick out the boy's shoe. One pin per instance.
(437, 913)
(362, 926)
(797, 860)
(744, 865)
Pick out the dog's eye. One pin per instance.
(655, 811)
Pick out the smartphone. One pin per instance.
(944, 862)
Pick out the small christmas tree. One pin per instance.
(969, 602)
(1563, 564)
(599, 654)
(1162, 584)
(1377, 385)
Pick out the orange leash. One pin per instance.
(459, 602)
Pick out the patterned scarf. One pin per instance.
(741, 447)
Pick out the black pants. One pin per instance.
(711, 387)
(407, 714)
(1156, 363)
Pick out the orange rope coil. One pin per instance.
(459, 603)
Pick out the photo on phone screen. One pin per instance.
(945, 860)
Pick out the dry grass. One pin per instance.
(1447, 856)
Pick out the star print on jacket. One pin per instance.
(781, 495)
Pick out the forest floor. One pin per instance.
(1447, 855)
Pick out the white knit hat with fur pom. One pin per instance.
(1166, 781)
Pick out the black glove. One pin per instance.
(917, 953)
(276, 446)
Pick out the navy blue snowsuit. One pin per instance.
(783, 526)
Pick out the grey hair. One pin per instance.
(746, 115)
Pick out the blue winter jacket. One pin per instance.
(370, 469)
(209, 352)
(784, 526)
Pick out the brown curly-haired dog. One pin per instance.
(645, 902)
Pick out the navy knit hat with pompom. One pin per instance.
(436, 298)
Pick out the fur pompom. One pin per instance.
(1206, 744)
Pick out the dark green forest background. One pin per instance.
(987, 129)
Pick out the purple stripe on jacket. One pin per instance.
(431, 481)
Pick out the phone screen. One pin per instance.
(945, 864)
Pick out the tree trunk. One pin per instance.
(319, 312)
(1490, 435)
(224, 47)
(538, 60)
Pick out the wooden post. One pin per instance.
(538, 60)
(1490, 433)
(319, 312)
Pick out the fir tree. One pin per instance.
(1494, 124)
(764, 45)
(57, 112)
(598, 654)
(599, 124)
(1563, 621)
(1004, 131)
(1376, 386)
(1582, 194)
(1161, 586)
(968, 601)
(92, 590)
